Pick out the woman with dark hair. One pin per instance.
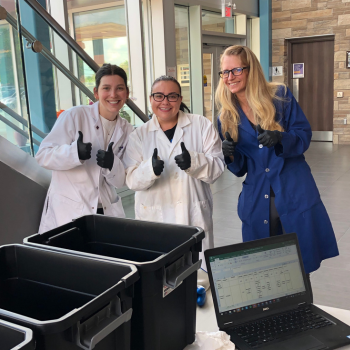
(84, 150)
(171, 162)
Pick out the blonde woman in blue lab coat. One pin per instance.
(265, 134)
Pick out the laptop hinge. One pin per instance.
(225, 324)
(303, 303)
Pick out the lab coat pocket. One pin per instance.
(202, 215)
(298, 189)
(65, 209)
(148, 212)
(245, 203)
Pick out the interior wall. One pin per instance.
(21, 204)
(300, 18)
(23, 187)
(256, 37)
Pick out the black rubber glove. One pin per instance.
(84, 149)
(105, 159)
(157, 164)
(228, 145)
(183, 160)
(268, 138)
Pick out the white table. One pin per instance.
(206, 319)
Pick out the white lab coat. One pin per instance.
(77, 185)
(176, 196)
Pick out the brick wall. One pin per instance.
(298, 18)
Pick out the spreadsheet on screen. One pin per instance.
(256, 275)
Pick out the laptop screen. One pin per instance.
(256, 277)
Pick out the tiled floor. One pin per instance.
(330, 165)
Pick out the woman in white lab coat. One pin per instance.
(171, 162)
(84, 150)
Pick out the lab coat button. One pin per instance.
(266, 222)
(267, 170)
(176, 175)
(266, 196)
(104, 208)
(261, 146)
(92, 207)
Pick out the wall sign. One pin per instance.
(277, 71)
(298, 70)
(171, 71)
(347, 59)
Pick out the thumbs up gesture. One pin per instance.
(183, 160)
(268, 138)
(84, 149)
(105, 159)
(228, 145)
(157, 164)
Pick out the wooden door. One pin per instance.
(316, 89)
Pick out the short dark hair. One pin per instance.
(110, 69)
(170, 78)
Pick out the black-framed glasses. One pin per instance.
(159, 97)
(234, 71)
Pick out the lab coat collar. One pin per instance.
(182, 122)
(245, 122)
(117, 133)
(98, 125)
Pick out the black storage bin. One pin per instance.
(69, 302)
(166, 256)
(15, 337)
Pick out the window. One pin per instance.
(214, 22)
(102, 34)
(182, 52)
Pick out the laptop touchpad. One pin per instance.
(302, 343)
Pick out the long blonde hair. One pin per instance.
(259, 93)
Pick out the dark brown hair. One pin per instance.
(170, 78)
(110, 69)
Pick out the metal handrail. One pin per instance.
(48, 55)
(77, 49)
(20, 119)
(16, 128)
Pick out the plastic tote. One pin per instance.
(167, 259)
(14, 337)
(69, 302)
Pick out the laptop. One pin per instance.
(263, 298)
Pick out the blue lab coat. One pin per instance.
(284, 168)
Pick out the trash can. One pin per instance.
(69, 302)
(14, 337)
(167, 259)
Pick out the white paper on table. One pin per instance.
(211, 341)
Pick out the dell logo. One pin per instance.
(266, 308)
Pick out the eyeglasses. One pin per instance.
(159, 97)
(234, 71)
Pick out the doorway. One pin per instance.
(314, 92)
(211, 68)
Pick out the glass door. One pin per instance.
(211, 68)
(207, 84)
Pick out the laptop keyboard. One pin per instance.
(272, 329)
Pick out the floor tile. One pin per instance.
(330, 166)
